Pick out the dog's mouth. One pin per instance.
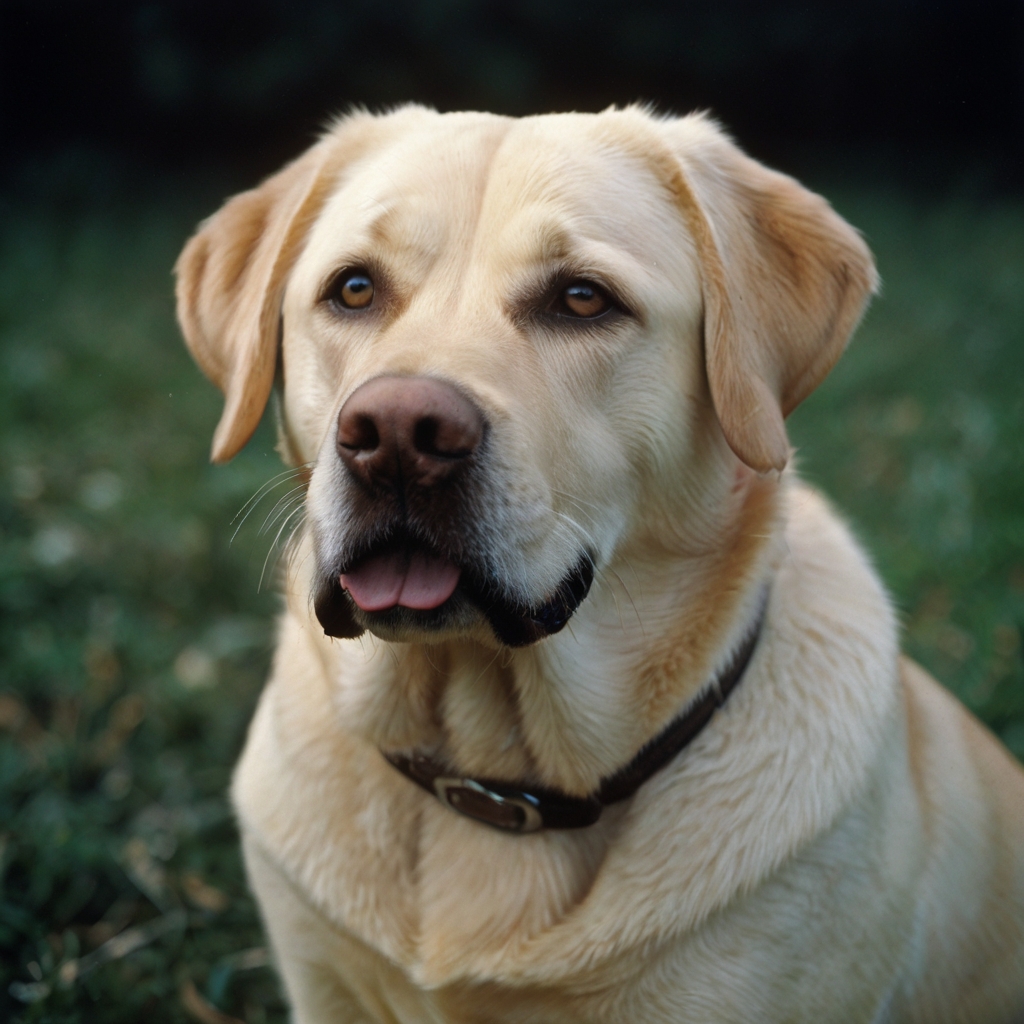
(402, 587)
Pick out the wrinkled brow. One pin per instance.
(411, 233)
(553, 243)
(389, 225)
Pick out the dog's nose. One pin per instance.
(397, 432)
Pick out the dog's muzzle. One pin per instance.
(514, 622)
(413, 448)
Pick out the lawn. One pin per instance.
(134, 635)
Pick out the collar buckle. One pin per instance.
(512, 813)
(510, 809)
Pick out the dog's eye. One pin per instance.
(583, 299)
(353, 289)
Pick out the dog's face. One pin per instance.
(515, 350)
(543, 339)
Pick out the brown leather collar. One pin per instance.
(513, 808)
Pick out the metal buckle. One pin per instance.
(518, 813)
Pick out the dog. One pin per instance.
(584, 707)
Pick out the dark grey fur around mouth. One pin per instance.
(513, 623)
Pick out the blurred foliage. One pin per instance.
(918, 436)
(254, 78)
(134, 639)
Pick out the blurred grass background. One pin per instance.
(134, 636)
(135, 639)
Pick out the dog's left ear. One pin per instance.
(784, 279)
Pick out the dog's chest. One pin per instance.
(415, 905)
(781, 954)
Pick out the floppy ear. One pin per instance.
(232, 275)
(784, 278)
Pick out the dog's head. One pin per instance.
(512, 349)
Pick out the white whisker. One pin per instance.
(577, 501)
(242, 515)
(636, 612)
(618, 609)
(265, 486)
(580, 530)
(487, 667)
(300, 510)
(284, 501)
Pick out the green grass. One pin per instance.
(133, 638)
(918, 436)
(134, 641)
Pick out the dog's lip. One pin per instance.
(514, 622)
(517, 625)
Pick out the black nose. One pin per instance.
(398, 432)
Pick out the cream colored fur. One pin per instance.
(842, 843)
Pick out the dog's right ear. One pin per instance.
(232, 275)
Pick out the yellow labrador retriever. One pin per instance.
(584, 708)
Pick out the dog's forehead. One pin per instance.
(573, 175)
(534, 182)
(433, 173)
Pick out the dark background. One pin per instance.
(927, 85)
(137, 582)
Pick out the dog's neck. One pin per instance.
(578, 706)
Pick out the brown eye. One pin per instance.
(354, 289)
(583, 299)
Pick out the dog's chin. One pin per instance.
(474, 610)
(457, 617)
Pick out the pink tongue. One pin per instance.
(417, 581)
